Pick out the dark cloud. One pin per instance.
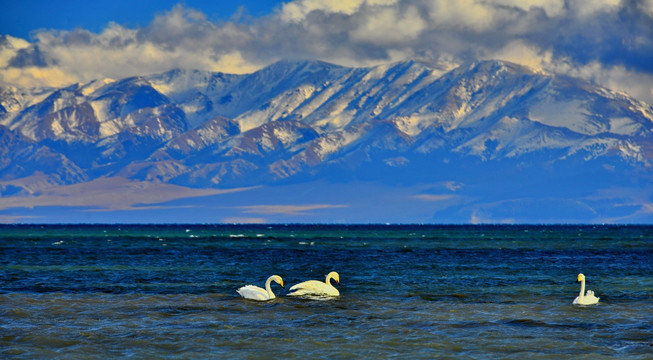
(78, 37)
(622, 37)
(32, 56)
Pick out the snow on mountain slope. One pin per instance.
(209, 133)
(14, 100)
(278, 108)
(19, 156)
(307, 119)
(29, 120)
(201, 95)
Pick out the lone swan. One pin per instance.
(252, 292)
(317, 288)
(586, 299)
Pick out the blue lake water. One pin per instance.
(98, 291)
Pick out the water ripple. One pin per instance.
(419, 292)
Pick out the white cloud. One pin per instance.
(614, 77)
(436, 198)
(618, 78)
(589, 7)
(287, 209)
(388, 25)
(296, 11)
(523, 53)
(470, 14)
(10, 48)
(593, 39)
(37, 77)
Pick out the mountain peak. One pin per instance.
(500, 128)
(302, 64)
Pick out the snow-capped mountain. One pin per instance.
(488, 123)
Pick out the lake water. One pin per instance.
(100, 291)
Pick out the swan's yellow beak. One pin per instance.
(580, 277)
(282, 284)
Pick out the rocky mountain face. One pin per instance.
(488, 130)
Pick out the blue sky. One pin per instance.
(57, 43)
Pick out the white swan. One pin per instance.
(256, 293)
(317, 288)
(586, 299)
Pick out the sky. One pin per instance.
(57, 43)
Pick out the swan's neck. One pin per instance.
(328, 279)
(582, 289)
(268, 288)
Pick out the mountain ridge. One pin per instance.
(295, 122)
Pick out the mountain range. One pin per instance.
(309, 141)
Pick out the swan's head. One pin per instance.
(581, 277)
(333, 275)
(277, 279)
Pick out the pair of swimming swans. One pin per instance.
(585, 298)
(306, 288)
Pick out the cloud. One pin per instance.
(608, 41)
(387, 26)
(432, 197)
(33, 76)
(523, 53)
(287, 209)
(296, 11)
(182, 38)
(10, 48)
(647, 208)
(463, 14)
(646, 6)
(614, 77)
(551, 7)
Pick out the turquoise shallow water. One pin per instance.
(407, 292)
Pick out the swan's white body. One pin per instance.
(316, 287)
(585, 298)
(252, 292)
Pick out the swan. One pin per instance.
(588, 298)
(252, 292)
(316, 287)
